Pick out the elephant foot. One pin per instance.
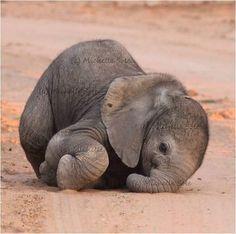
(47, 174)
(83, 170)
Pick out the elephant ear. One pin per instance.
(130, 103)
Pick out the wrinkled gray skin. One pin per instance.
(95, 118)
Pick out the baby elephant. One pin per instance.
(96, 119)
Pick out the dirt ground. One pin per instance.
(193, 42)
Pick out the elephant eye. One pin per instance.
(163, 148)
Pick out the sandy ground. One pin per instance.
(195, 43)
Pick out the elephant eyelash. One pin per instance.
(163, 148)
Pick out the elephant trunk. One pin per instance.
(160, 180)
(140, 183)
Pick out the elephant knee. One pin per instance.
(47, 174)
(67, 173)
(82, 170)
(55, 150)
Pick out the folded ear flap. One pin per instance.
(128, 106)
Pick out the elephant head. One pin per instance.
(151, 120)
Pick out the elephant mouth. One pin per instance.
(160, 161)
(155, 163)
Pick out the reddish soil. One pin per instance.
(193, 42)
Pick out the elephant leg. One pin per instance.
(36, 129)
(73, 161)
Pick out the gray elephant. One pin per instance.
(95, 118)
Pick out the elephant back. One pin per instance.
(80, 76)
